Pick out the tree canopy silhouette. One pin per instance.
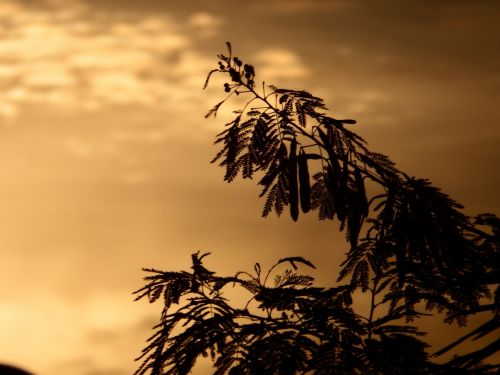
(412, 250)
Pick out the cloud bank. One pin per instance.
(68, 55)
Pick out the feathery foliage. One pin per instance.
(412, 250)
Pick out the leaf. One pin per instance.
(300, 114)
(208, 79)
(215, 108)
(321, 197)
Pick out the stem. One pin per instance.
(373, 306)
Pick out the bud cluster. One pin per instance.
(241, 74)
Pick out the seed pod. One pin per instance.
(292, 171)
(314, 156)
(335, 178)
(348, 121)
(329, 149)
(345, 172)
(304, 183)
(362, 199)
(337, 194)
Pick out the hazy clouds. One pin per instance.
(104, 152)
(67, 55)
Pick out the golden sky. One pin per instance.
(104, 151)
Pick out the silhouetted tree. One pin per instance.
(412, 250)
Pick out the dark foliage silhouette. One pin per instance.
(412, 249)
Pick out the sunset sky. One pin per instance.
(104, 151)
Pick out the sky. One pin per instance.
(104, 149)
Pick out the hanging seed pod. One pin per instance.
(304, 182)
(335, 178)
(345, 173)
(362, 199)
(292, 170)
(337, 194)
(334, 159)
(347, 121)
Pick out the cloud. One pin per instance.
(69, 55)
(281, 7)
(205, 24)
(280, 63)
(367, 101)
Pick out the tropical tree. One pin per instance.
(412, 250)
